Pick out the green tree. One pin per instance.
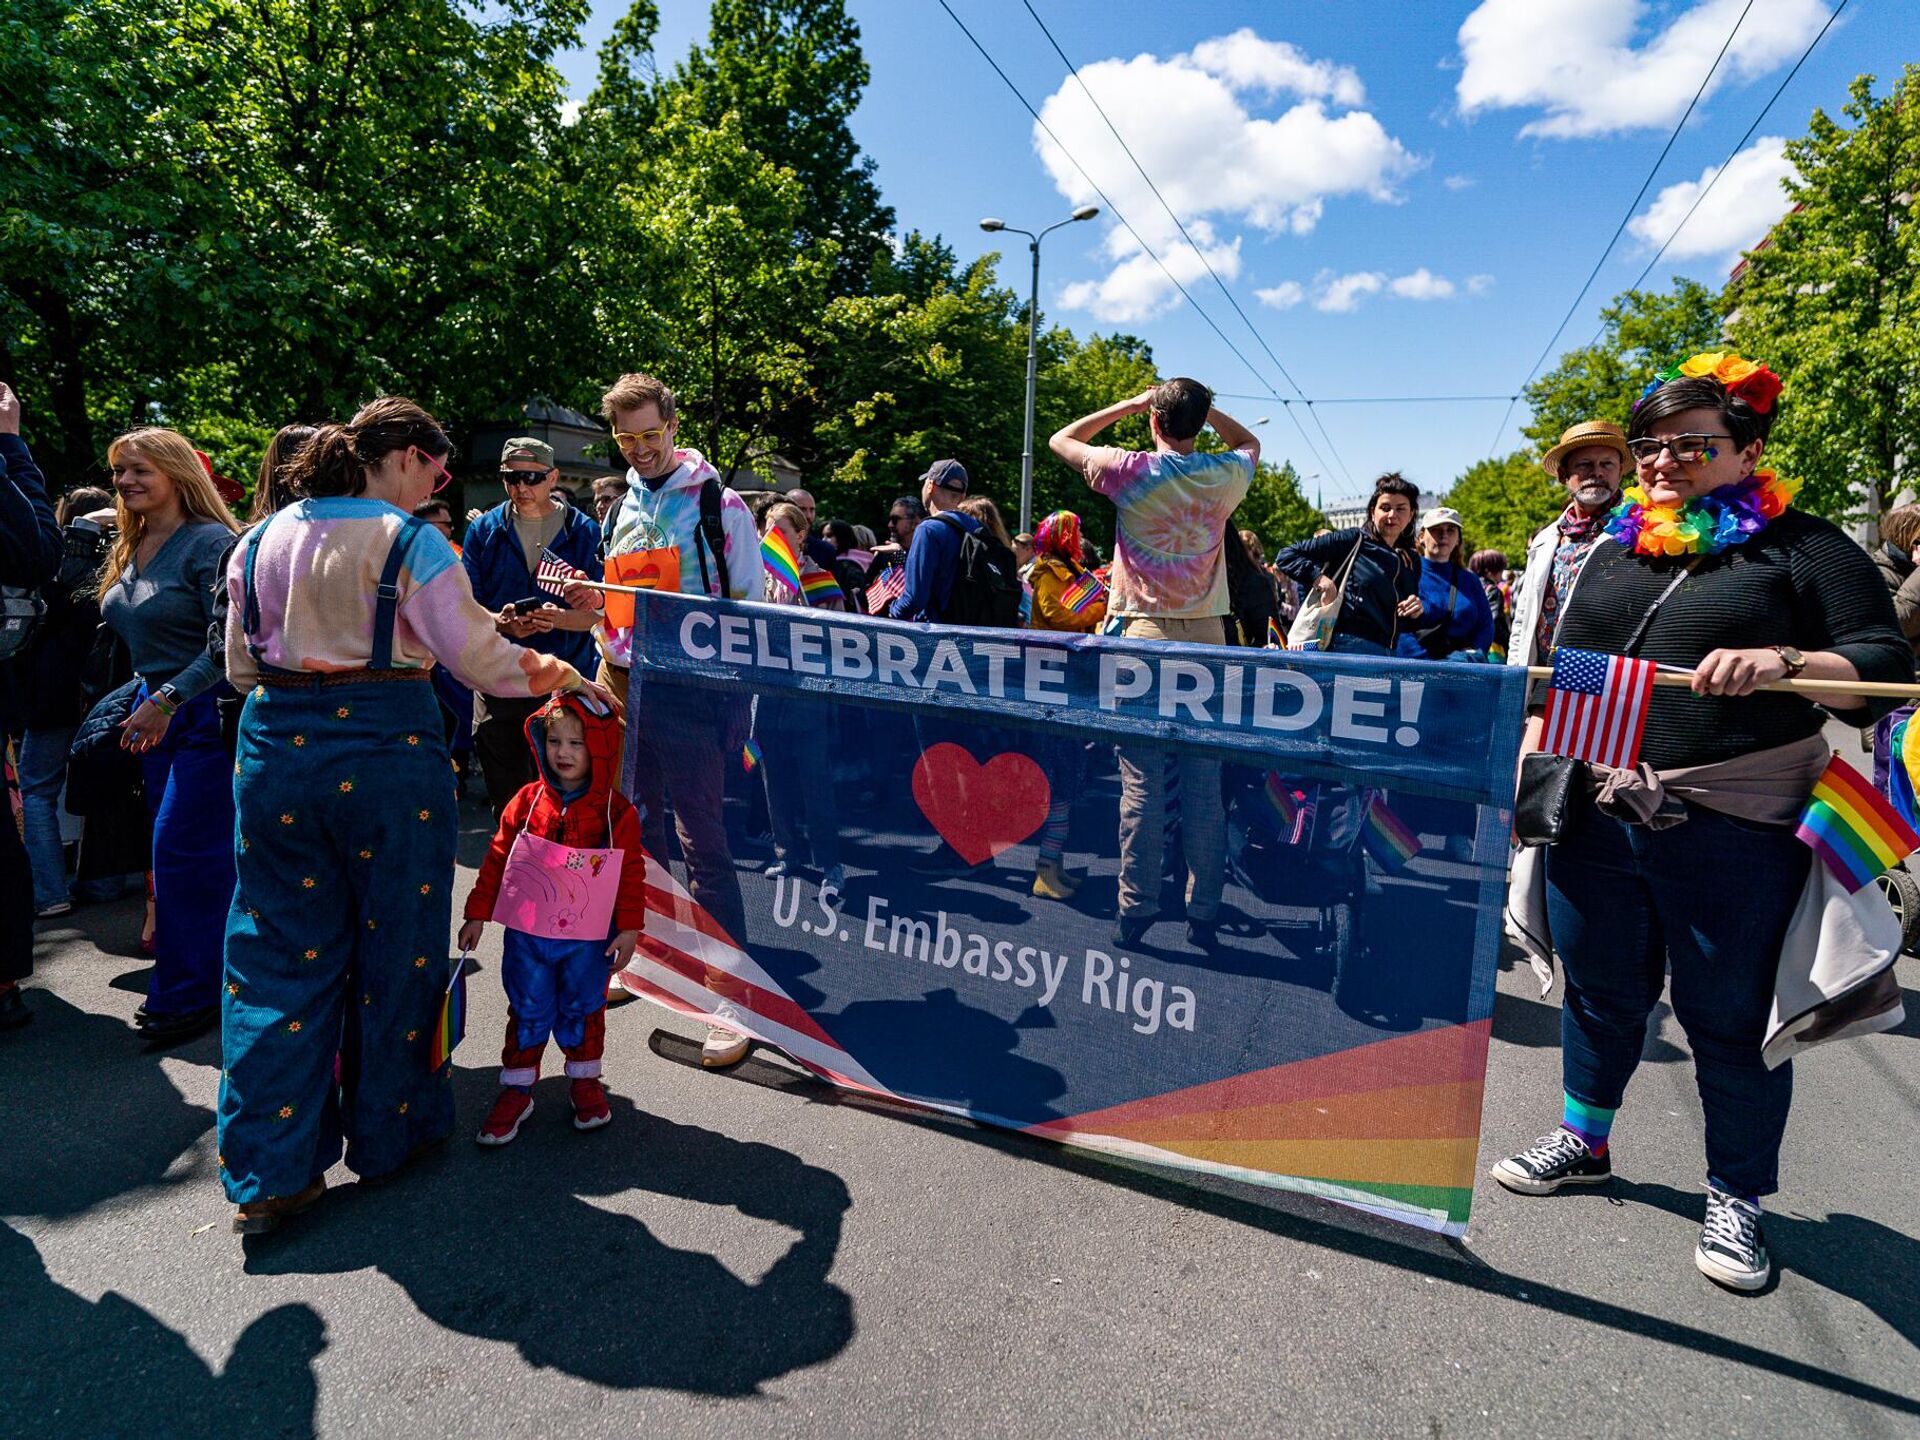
(1642, 331)
(793, 72)
(1505, 501)
(1277, 509)
(1832, 303)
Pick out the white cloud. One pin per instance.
(1138, 289)
(1458, 182)
(569, 112)
(1578, 61)
(1745, 203)
(1422, 284)
(1284, 296)
(1339, 294)
(1335, 294)
(1187, 120)
(1248, 62)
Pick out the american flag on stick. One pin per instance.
(553, 574)
(887, 589)
(1597, 707)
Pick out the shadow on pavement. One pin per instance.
(509, 1245)
(79, 1367)
(1852, 1256)
(135, 1123)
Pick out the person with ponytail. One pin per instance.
(156, 594)
(336, 945)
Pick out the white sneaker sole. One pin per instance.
(483, 1138)
(1744, 1281)
(1523, 1184)
(719, 1057)
(593, 1124)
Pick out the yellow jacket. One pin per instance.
(1049, 576)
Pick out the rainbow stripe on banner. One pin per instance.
(1387, 837)
(781, 561)
(1851, 827)
(450, 1027)
(1080, 596)
(819, 587)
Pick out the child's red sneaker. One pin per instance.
(510, 1107)
(590, 1110)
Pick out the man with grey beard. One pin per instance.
(1589, 461)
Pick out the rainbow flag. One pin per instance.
(1387, 837)
(750, 755)
(1083, 593)
(782, 563)
(1275, 640)
(1850, 826)
(1284, 806)
(820, 587)
(450, 1027)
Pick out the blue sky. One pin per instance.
(1403, 199)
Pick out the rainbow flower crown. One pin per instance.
(1754, 383)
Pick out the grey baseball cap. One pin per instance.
(947, 475)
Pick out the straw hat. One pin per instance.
(1587, 432)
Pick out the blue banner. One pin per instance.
(1223, 909)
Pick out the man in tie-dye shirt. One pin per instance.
(1172, 507)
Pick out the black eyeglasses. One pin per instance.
(1687, 449)
(897, 519)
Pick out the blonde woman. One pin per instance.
(156, 593)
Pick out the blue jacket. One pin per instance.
(29, 539)
(1454, 615)
(497, 570)
(932, 561)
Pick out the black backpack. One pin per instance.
(714, 535)
(986, 582)
(1250, 592)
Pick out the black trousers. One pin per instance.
(16, 901)
(500, 743)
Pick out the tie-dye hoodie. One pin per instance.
(670, 515)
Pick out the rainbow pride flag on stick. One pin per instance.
(1085, 591)
(1387, 837)
(782, 563)
(1852, 827)
(450, 1027)
(820, 588)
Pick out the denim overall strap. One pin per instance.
(387, 604)
(250, 608)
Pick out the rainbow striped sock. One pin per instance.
(1591, 1123)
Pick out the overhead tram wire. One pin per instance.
(1620, 229)
(1732, 154)
(1382, 399)
(1148, 250)
(1259, 339)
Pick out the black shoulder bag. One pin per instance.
(1548, 786)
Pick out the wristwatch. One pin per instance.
(1791, 658)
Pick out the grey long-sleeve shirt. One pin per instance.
(162, 612)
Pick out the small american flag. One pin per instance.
(887, 589)
(553, 574)
(1597, 707)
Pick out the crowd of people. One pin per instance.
(278, 706)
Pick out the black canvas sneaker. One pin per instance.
(1561, 1158)
(1732, 1251)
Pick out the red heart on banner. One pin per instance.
(978, 809)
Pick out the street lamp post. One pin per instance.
(991, 226)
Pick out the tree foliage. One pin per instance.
(1503, 502)
(1642, 331)
(1832, 303)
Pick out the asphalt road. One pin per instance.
(751, 1253)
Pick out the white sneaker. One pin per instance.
(723, 1048)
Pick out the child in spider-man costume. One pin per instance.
(568, 849)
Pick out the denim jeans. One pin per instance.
(43, 769)
(1709, 900)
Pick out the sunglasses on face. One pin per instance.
(628, 439)
(896, 519)
(524, 477)
(1687, 449)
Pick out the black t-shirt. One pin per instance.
(1799, 582)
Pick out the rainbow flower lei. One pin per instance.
(1706, 524)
